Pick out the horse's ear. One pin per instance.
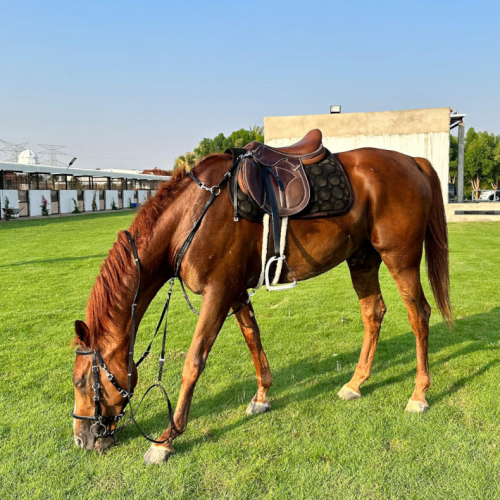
(82, 331)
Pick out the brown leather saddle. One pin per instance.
(266, 173)
(302, 180)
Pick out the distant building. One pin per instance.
(28, 157)
(27, 185)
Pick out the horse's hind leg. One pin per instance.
(250, 329)
(407, 278)
(364, 265)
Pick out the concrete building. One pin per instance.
(417, 132)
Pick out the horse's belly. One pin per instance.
(315, 246)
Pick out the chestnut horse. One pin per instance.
(398, 206)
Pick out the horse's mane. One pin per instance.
(118, 275)
(150, 212)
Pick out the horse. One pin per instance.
(397, 209)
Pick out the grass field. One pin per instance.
(312, 444)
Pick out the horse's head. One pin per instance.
(100, 381)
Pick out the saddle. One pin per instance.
(276, 182)
(276, 176)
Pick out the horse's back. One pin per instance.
(387, 177)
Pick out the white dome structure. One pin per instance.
(28, 157)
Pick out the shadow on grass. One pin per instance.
(398, 350)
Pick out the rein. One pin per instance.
(102, 422)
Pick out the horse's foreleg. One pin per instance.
(364, 266)
(212, 316)
(248, 326)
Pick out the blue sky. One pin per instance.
(135, 84)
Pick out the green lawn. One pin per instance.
(312, 444)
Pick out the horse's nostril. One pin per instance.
(79, 441)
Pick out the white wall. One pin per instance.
(66, 205)
(128, 193)
(35, 197)
(88, 196)
(108, 196)
(142, 195)
(434, 146)
(13, 199)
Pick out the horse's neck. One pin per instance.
(156, 269)
(157, 249)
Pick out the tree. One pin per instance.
(156, 171)
(479, 162)
(453, 159)
(257, 130)
(495, 174)
(236, 139)
(241, 137)
(186, 161)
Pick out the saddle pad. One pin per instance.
(331, 193)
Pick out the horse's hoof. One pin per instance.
(348, 394)
(417, 406)
(255, 408)
(158, 454)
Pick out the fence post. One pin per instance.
(460, 165)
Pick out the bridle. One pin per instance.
(102, 422)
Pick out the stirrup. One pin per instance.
(284, 286)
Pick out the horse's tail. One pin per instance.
(436, 245)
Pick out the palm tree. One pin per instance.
(256, 130)
(186, 161)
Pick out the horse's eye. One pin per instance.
(79, 382)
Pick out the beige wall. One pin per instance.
(451, 216)
(416, 132)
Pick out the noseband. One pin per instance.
(102, 422)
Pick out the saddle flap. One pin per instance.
(295, 194)
(288, 181)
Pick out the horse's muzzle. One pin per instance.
(86, 441)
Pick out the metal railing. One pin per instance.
(489, 195)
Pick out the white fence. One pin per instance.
(36, 197)
(88, 199)
(63, 201)
(110, 196)
(66, 204)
